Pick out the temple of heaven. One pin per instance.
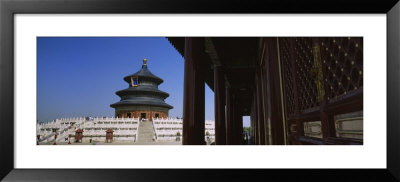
(142, 98)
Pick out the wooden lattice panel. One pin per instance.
(342, 62)
(287, 74)
(305, 74)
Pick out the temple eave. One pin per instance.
(156, 80)
(119, 104)
(149, 92)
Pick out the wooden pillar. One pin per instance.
(234, 125)
(299, 124)
(194, 93)
(238, 123)
(274, 92)
(234, 132)
(240, 127)
(251, 125)
(267, 124)
(327, 122)
(219, 106)
(229, 118)
(253, 139)
(260, 113)
(255, 121)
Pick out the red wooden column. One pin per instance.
(264, 86)
(260, 111)
(299, 123)
(240, 129)
(238, 123)
(234, 117)
(229, 117)
(327, 121)
(234, 127)
(194, 93)
(219, 106)
(274, 91)
(253, 122)
(255, 119)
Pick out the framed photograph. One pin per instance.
(119, 86)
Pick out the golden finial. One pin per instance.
(144, 61)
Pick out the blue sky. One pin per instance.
(78, 76)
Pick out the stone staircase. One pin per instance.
(60, 138)
(146, 133)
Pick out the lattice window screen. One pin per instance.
(288, 78)
(305, 75)
(342, 67)
(343, 64)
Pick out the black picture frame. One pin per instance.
(9, 8)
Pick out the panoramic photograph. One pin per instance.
(199, 91)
